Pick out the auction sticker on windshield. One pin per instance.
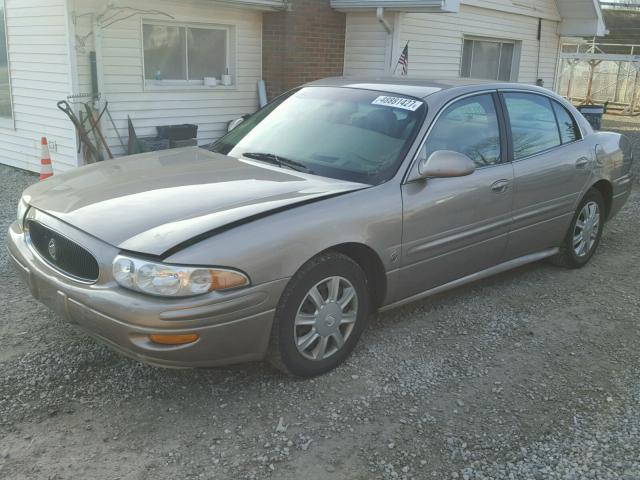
(397, 102)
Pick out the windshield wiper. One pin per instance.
(278, 160)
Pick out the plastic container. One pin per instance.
(191, 142)
(593, 114)
(153, 144)
(178, 132)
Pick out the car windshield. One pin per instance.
(344, 133)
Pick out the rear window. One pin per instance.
(569, 131)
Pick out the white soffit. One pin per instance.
(434, 6)
(581, 18)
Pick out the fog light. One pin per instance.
(181, 339)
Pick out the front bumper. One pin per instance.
(233, 327)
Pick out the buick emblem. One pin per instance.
(331, 320)
(52, 249)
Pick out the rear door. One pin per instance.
(454, 227)
(551, 168)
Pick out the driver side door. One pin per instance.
(454, 227)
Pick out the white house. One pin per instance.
(151, 56)
(510, 40)
(49, 57)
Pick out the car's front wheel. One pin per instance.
(585, 232)
(320, 316)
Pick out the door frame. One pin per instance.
(506, 142)
(507, 124)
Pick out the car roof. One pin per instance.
(414, 87)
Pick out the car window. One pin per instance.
(533, 124)
(469, 126)
(568, 128)
(344, 133)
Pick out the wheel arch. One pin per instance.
(606, 190)
(370, 263)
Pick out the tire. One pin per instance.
(568, 257)
(300, 313)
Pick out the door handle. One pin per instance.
(500, 186)
(582, 162)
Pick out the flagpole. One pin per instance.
(398, 62)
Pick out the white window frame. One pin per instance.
(8, 123)
(515, 61)
(231, 57)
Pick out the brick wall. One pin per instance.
(302, 44)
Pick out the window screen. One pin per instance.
(165, 51)
(184, 53)
(533, 124)
(488, 59)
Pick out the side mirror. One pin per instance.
(234, 123)
(446, 163)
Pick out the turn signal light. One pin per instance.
(226, 279)
(181, 339)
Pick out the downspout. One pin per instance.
(97, 46)
(74, 82)
(382, 20)
(539, 81)
(556, 71)
(389, 29)
(99, 80)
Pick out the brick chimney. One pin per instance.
(301, 44)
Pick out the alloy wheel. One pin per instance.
(325, 318)
(586, 229)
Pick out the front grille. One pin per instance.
(62, 253)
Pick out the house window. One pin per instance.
(489, 59)
(5, 85)
(182, 54)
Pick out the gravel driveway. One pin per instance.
(533, 374)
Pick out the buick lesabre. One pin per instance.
(337, 199)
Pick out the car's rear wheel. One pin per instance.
(585, 232)
(320, 316)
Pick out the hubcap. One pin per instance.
(586, 231)
(325, 318)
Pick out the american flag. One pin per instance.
(403, 61)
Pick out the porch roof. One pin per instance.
(581, 18)
(398, 5)
(259, 4)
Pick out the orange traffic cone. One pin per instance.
(46, 170)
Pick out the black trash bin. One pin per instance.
(593, 114)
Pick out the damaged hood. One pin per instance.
(153, 202)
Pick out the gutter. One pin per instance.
(382, 20)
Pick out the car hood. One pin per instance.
(153, 202)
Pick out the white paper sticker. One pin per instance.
(397, 102)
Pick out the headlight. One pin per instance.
(173, 280)
(22, 211)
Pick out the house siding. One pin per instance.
(367, 45)
(40, 76)
(436, 42)
(123, 77)
(546, 9)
